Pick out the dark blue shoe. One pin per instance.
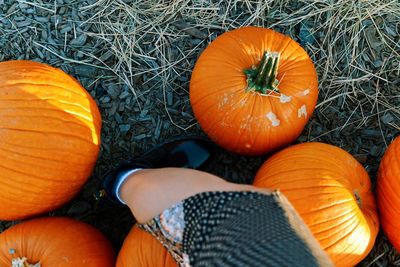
(187, 152)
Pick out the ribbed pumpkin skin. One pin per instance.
(49, 138)
(388, 191)
(141, 249)
(322, 182)
(237, 119)
(56, 242)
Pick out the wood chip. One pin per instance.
(79, 41)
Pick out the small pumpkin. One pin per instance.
(388, 192)
(49, 138)
(332, 193)
(253, 90)
(141, 249)
(55, 241)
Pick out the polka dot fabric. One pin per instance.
(239, 229)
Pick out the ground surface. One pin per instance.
(135, 58)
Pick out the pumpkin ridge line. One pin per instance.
(385, 199)
(283, 47)
(49, 117)
(45, 85)
(43, 148)
(30, 192)
(333, 233)
(46, 133)
(296, 171)
(322, 195)
(39, 204)
(289, 120)
(331, 169)
(291, 65)
(38, 157)
(297, 52)
(241, 133)
(344, 236)
(34, 176)
(24, 100)
(259, 129)
(88, 119)
(308, 187)
(335, 218)
(215, 119)
(333, 205)
(201, 99)
(233, 92)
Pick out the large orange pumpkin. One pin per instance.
(332, 193)
(388, 190)
(55, 241)
(49, 138)
(253, 90)
(141, 249)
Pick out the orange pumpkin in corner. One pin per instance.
(332, 193)
(55, 241)
(253, 90)
(141, 249)
(49, 138)
(388, 191)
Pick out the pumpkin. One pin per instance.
(55, 241)
(332, 193)
(253, 90)
(141, 249)
(49, 138)
(388, 192)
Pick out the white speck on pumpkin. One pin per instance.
(274, 120)
(245, 122)
(285, 99)
(242, 102)
(302, 111)
(306, 92)
(223, 101)
(247, 145)
(224, 124)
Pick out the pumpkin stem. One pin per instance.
(358, 198)
(23, 262)
(263, 77)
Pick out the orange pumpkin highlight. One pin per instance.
(252, 112)
(388, 191)
(141, 249)
(332, 193)
(49, 138)
(55, 241)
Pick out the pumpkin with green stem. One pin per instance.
(253, 90)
